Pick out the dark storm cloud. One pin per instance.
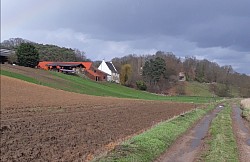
(214, 29)
(209, 23)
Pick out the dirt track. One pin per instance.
(43, 124)
(190, 146)
(187, 147)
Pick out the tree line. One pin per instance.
(160, 72)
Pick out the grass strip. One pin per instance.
(222, 143)
(116, 90)
(150, 144)
(20, 76)
(246, 113)
(85, 86)
(25, 78)
(245, 106)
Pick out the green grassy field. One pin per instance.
(202, 89)
(85, 86)
(222, 143)
(198, 89)
(149, 145)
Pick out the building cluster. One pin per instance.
(105, 72)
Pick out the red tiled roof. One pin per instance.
(43, 64)
(87, 65)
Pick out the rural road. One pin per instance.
(187, 147)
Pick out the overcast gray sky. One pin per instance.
(217, 30)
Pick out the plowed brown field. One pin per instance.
(44, 124)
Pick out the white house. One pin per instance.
(110, 69)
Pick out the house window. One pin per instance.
(94, 71)
(104, 77)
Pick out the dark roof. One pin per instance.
(5, 52)
(111, 67)
(65, 64)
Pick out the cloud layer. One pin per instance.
(217, 30)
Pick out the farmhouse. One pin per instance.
(66, 67)
(85, 68)
(110, 69)
(94, 73)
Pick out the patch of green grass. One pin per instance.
(222, 144)
(85, 86)
(25, 78)
(234, 91)
(116, 90)
(245, 107)
(150, 144)
(198, 89)
(19, 76)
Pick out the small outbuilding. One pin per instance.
(4, 54)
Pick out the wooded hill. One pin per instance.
(160, 73)
(46, 52)
(157, 73)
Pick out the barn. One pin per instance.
(85, 68)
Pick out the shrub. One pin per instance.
(141, 85)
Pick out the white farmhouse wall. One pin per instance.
(115, 77)
(112, 76)
(103, 67)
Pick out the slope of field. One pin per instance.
(197, 89)
(39, 123)
(193, 88)
(85, 86)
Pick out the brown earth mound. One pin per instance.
(44, 124)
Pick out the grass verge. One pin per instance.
(150, 144)
(222, 144)
(245, 106)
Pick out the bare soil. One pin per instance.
(43, 124)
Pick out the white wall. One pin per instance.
(113, 76)
(103, 67)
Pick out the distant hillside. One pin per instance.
(47, 52)
(159, 73)
(86, 86)
(162, 71)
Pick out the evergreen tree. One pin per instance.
(154, 70)
(27, 55)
